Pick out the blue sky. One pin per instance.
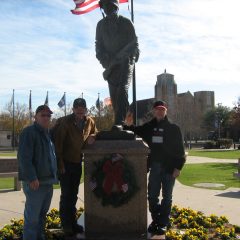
(43, 47)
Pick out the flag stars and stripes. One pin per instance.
(85, 6)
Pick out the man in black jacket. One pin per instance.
(167, 158)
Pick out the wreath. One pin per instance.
(113, 180)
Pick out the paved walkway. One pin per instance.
(194, 159)
(220, 202)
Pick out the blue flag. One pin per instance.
(62, 101)
(98, 103)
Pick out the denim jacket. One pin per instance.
(36, 156)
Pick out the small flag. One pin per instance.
(62, 101)
(46, 100)
(98, 103)
(107, 101)
(85, 6)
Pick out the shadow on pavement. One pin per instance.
(229, 194)
(6, 190)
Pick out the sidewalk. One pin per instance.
(219, 202)
(195, 159)
(208, 201)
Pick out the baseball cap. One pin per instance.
(160, 104)
(79, 102)
(43, 108)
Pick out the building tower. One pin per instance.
(204, 101)
(166, 90)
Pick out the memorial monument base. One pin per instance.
(128, 221)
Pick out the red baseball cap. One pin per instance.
(160, 105)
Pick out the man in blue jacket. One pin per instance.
(167, 158)
(38, 172)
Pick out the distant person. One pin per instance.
(70, 136)
(167, 158)
(38, 172)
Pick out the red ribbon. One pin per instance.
(113, 175)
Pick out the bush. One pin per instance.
(209, 145)
(224, 143)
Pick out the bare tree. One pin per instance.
(21, 118)
(103, 116)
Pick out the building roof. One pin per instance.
(165, 79)
(188, 93)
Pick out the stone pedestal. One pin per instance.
(129, 219)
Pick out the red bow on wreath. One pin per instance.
(113, 175)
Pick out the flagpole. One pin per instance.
(65, 106)
(30, 106)
(134, 78)
(13, 121)
(132, 12)
(99, 114)
(99, 111)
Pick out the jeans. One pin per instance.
(69, 182)
(36, 207)
(159, 180)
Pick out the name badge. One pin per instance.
(157, 139)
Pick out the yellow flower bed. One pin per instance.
(13, 231)
(187, 224)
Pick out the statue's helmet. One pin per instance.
(114, 2)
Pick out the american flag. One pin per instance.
(85, 6)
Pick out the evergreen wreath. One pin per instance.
(113, 180)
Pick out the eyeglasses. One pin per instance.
(46, 115)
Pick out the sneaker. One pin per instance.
(152, 227)
(78, 228)
(161, 230)
(169, 226)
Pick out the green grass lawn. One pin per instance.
(8, 154)
(230, 154)
(8, 183)
(210, 173)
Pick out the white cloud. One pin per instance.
(44, 47)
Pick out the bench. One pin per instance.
(237, 174)
(9, 168)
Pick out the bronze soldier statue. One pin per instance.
(117, 50)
